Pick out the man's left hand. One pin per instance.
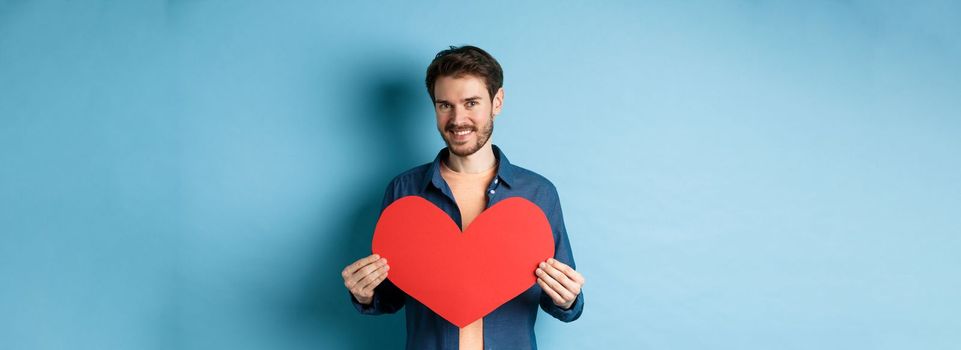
(560, 282)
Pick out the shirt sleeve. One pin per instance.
(387, 297)
(562, 253)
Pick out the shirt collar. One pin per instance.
(505, 171)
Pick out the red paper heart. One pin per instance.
(463, 276)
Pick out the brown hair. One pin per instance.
(465, 60)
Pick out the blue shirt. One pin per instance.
(510, 326)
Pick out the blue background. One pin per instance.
(734, 175)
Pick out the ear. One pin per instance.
(498, 101)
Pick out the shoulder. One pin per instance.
(407, 183)
(536, 184)
(412, 176)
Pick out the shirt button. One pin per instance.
(492, 191)
(495, 180)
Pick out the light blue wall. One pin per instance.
(735, 175)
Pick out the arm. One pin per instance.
(562, 296)
(378, 295)
(384, 299)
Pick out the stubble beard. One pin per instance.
(482, 137)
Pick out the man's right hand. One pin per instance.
(363, 275)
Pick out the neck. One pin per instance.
(480, 161)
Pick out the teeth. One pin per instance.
(462, 133)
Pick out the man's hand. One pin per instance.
(560, 282)
(363, 275)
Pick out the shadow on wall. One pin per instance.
(325, 310)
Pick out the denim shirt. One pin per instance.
(510, 326)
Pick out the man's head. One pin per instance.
(465, 84)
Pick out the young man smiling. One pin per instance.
(468, 176)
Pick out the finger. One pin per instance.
(369, 268)
(352, 268)
(550, 292)
(365, 271)
(372, 276)
(358, 286)
(556, 286)
(560, 277)
(567, 270)
(369, 289)
(357, 265)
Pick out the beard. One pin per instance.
(466, 149)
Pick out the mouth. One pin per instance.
(460, 134)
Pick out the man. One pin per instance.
(469, 175)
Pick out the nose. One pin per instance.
(460, 114)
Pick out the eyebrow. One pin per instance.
(472, 98)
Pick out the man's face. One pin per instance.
(465, 112)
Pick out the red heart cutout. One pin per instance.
(463, 276)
